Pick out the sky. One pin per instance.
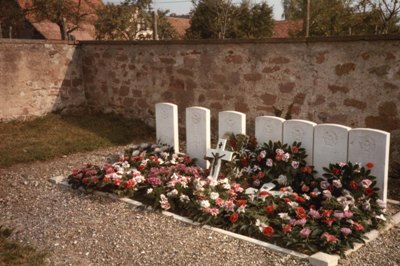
(181, 7)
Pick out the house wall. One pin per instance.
(39, 77)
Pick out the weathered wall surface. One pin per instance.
(38, 77)
(352, 82)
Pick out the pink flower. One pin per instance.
(330, 238)
(348, 214)
(301, 222)
(345, 231)
(305, 232)
(117, 181)
(130, 183)
(213, 211)
(365, 183)
(305, 188)
(336, 183)
(314, 214)
(219, 202)
(329, 221)
(338, 215)
(229, 205)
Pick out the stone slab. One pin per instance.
(269, 128)
(370, 145)
(300, 131)
(231, 122)
(330, 145)
(167, 125)
(198, 134)
(323, 259)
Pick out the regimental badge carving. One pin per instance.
(164, 112)
(330, 138)
(367, 144)
(298, 134)
(230, 122)
(268, 128)
(196, 118)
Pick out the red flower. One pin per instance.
(329, 221)
(336, 171)
(141, 167)
(130, 183)
(300, 212)
(300, 199)
(358, 227)
(306, 170)
(260, 174)
(287, 200)
(287, 228)
(278, 157)
(245, 162)
(117, 181)
(327, 213)
(269, 208)
(353, 185)
(85, 180)
(368, 191)
(314, 194)
(295, 149)
(106, 179)
(370, 165)
(95, 179)
(268, 231)
(234, 217)
(241, 202)
(263, 194)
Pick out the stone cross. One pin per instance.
(218, 154)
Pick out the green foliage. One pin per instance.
(346, 17)
(221, 19)
(67, 14)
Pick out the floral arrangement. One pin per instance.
(305, 213)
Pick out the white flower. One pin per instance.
(306, 197)
(282, 179)
(205, 204)
(284, 216)
(226, 186)
(286, 157)
(126, 164)
(224, 181)
(293, 204)
(173, 193)
(295, 164)
(149, 191)
(241, 209)
(263, 154)
(140, 178)
(269, 162)
(135, 153)
(336, 183)
(280, 151)
(214, 195)
(184, 198)
(341, 164)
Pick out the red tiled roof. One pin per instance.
(283, 28)
(51, 31)
(180, 24)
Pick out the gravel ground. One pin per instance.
(80, 229)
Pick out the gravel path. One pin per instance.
(80, 229)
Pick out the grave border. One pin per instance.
(319, 258)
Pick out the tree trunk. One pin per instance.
(63, 32)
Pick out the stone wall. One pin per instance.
(39, 77)
(351, 81)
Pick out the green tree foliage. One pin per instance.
(67, 14)
(131, 20)
(346, 17)
(221, 19)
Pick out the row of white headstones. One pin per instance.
(324, 143)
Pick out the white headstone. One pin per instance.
(231, 122)
(167, 125)
(218, 154)
(371, 146)
(269, 128)
(330, 145)
(300, 131)
(198, 134)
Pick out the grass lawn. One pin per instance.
(55, 135)
(12, 253)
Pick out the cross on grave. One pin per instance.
(218, 154)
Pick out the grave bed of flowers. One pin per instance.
(305, 211)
